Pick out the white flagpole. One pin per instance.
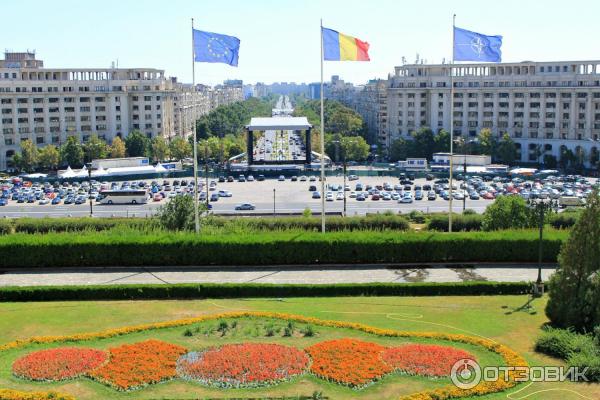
(322, 141)
(196, 216)
(451, 127)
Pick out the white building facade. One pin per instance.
(47, 105)
(544, 106)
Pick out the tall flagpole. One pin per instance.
(451, 127)
(322, 141)
(196, 216)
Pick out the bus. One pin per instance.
(127, 196)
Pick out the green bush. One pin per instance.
(132, 248)
(507, 212)
(46, 225)
(247, 290)
(460, 223)
(6, 226)
(564, 220)
(577, 350)
(561, 343)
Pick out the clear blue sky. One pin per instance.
(280, 39)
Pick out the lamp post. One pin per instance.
(89, 165)
(273, 201)
(540, 208)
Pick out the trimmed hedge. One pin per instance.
(46, 225)
(460, 223)
(127, 248)
(207, 290)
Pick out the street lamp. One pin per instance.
(89, 166)
(540, 209)
(273, 201)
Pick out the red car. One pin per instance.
(488, 196)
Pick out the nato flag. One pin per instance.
(473, 46)
(216, 48)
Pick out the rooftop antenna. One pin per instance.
(417, 60)
(403, 60)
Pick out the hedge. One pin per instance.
(460, 223)
(127, 248)
(46, 225)
(207, 290)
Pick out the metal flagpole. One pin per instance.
(196, 216)
(451, 127)
(322, 142)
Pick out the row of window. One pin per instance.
(37, 100)
(70, 89)
(83, 128)
(6, 111)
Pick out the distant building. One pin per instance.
(47, 105)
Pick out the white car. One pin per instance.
(339, 196)
(329, 196)
(407, 198)
(44, 201)
(352, 195)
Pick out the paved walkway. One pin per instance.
(276, 275)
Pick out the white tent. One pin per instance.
(83, 173)
(68, 173)
(160, 169)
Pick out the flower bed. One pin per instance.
(424, 359)
(243, 365)
(9, 394)
(348, 361)
(58, 364)
(132, 366)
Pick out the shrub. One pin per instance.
(564, 220)
(561, 343)
(47, 225)
(507, 212)
(460, 223)
(207, 290)
(269, 248)
(177, 214)
(591, 361)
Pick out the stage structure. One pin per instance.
(279, 141)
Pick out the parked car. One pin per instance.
(316, 195)
(245, 206)
(214, 197)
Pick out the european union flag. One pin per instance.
(473, 46)
(216, 48)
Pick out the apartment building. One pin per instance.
(544, 106)
(46, 105)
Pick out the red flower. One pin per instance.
(424, 359)
(245, 364)
(58, 364)
(348, 361)
(132, 366)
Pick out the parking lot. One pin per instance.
(288, 197)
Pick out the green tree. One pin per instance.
(94, 149)
(550, 161)
(354, 148)
(49, 157)
(71, 153)
(507, 212)
(203, 149)
(442, 141)
(177, 214)
(507, 150)
(574, 298)
(137, 144)
(399, 150)
(424, 144)
(117, 148)
(180, 148)
(29, 156)
(160, 149)
(487, 142)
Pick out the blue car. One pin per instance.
(3, 201)
(56, 201)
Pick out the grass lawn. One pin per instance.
(493, 317)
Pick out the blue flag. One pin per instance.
(473, 46)
(216, 48)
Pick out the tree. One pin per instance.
(137, 144)
(507, 212)
(180, 148)
(177, 214)
(354, 148)
(574, 299)
(71, 153)
(117, 148)
(507, 150)
(424, 144)
(49, 157)
(442, 141)
(160, 149)
(550, 161)
(203, 149)
(399, 150)
(29, 156)
(95, 149)
(487, 142)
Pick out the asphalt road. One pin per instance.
(272, 274)
(290, 197)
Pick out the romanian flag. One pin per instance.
(340, 47)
